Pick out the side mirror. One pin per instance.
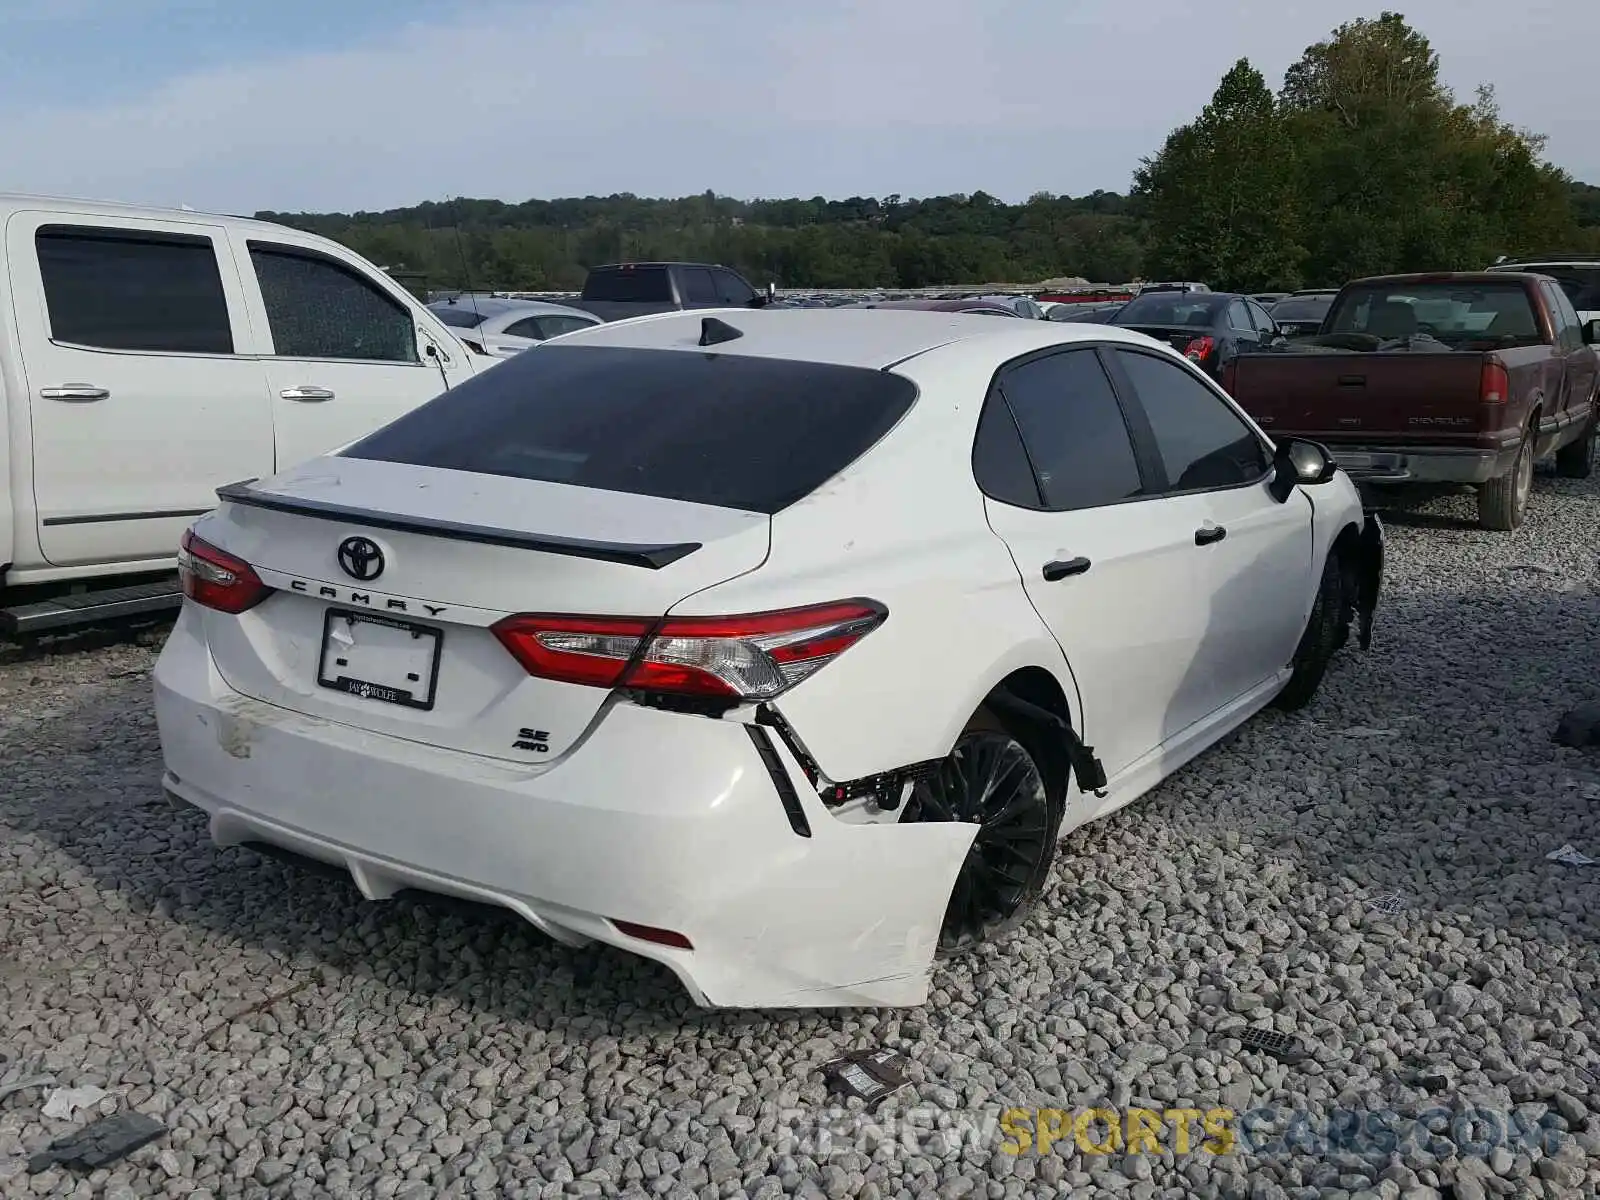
(1591, 333)
(1299, 461)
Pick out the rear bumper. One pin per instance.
(1409, 464)
(670, 821)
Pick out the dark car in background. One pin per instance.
(1210, 329)
(986, 308)
(1095, 314)
(1579, 279)
(1301, 314)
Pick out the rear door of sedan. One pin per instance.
(1110, 566)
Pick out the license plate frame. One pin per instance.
(366, 689)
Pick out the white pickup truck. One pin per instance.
(148, 357)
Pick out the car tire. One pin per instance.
(1503, 502)
(992, 777)
(1327, 629)
(1576, 459)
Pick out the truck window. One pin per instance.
(318, 308)
(699, 287)
(1453, 313)
(629, 285)
(125, 290)
(732, 290)
(1580, 284)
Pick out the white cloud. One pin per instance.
(746, 97)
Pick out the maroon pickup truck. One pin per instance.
(1461, 378)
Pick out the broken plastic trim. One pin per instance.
(1089, 772)
(780, 780)
(888, 786)
(771, 718)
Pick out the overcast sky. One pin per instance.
(240, 105)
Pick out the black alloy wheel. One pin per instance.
(991, 780)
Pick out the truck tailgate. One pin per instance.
(1334, 397)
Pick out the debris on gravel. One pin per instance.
(296, 1041)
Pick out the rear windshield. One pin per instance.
(630, 285)
(1453, 313)
(732, 430)
(458, 318)
(1170, 308)
(1581, 284)
(1301, 310)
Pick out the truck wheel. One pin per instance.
(1326, 630)
(992, 780)
(1503, 502)
(1576, 459)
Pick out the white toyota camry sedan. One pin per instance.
(778, 646)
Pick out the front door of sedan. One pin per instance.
(1113, 573)
(1256, 569)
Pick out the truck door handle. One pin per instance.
(1060, 569)
(306, 392)
(1352, 381)
(1207, 534)
(75, 393)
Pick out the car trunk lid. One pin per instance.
(408, 650)
(1177, 336)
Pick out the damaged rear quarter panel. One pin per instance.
(905, 526)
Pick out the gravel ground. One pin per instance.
(300, 1042)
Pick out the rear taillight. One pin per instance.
(1494, 386)
(1200, 349)
(753, 657)
(216, 579)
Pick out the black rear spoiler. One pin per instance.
(628, 554)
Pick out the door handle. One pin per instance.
(306, 392)
(77, 393)
(1207, 534)
(1060, 569)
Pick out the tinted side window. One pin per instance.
(1074, 430)
(734, 290)
(999, 463)
(1239, 317)
(1202, 441)
(321, 309)
(698, 286)
(1259, 317)
(130, 291)
(528, 327)
(629, 285)
(556, 324)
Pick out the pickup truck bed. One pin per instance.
(1397, 417)
(1462, 378)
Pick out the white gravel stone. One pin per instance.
(430, 1052)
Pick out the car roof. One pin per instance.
(491, 306)
(1529, 264)
(1468, 277)
(874, 339)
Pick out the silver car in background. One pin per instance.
(502, 328)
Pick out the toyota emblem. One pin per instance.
(361, 558)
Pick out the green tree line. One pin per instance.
(1362, 162)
